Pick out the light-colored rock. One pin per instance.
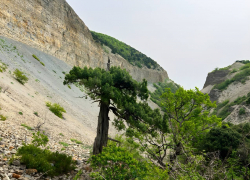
(54, 28)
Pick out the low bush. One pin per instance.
(124, 162)
(20, 77)
(56, 109)
(242, 111)
(223, 139)
(45, 161)
(2, 118)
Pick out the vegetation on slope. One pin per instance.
(127, 52)
(241, 76)
(161, 88)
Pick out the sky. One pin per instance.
(188, 38)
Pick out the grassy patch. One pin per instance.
(64, 144)
(61, 134)
(26, 126)
(36, 113)
(76, 141)
(20, 113)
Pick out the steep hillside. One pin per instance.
(230, 87)
(54, 28)
(127, 52)
(45, 84)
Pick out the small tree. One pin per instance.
(115, 90)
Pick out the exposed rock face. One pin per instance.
(216, 77)
(54, 27)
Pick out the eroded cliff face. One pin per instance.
(53, 27)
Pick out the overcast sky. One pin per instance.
(188, 38)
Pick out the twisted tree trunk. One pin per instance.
(102, 129)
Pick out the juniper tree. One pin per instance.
(115, 90)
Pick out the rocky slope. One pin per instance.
(54, 28)
(230, 88)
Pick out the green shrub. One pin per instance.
(56, 109)
(221, 139)
(45, 161)
(20, 77)
(3, 67)
(40, 139)
(233, 71)
(61, 134)
(248, 101)
(36, 113)
(242, 111)
(69, 86)
(20, 113)
(116, 163)
(220, 105)
(34, 56)
(3, 118)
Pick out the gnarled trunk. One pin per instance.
(102, 129)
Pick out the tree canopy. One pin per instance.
(115, 90)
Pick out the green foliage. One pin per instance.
(160, 89)
(233, 71)
(20, 77)
(117, 163)
(61, 134)
(242, 111)
(241, 76)
(36, 113)
(20, 113)
(64, 144)
(56, 109)
(127, 52)
(2, 118)
(26, 126)
(45, 161)
(76, 141)
(188, 112)
(221, 69)
(243, 61)
(34, 56)
(3, 67)
(223, 138)
(223, 113)
(69, 86)
(39, 139)
(77, 176)
(220, 105)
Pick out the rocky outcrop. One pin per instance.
(54, 28)
(216, 77)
